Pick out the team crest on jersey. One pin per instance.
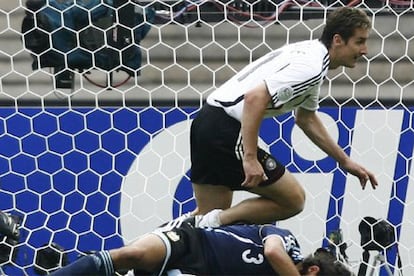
(285, 93)
(172, 235)
(270, 164)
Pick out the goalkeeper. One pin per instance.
(181, 248)
(224, 135)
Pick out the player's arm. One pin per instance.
(278, 258)
(255, 103)
(313, 127)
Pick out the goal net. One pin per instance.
(96, 101)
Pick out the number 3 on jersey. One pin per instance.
(252, 259)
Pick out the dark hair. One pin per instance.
(328, 264)
(344, 21)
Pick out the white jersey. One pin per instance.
(293, 75)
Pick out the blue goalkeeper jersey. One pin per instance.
(239, 250)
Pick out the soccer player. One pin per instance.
(181, 248)
(224, 135)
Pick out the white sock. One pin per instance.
(211, 219)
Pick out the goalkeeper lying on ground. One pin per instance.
(181, 248)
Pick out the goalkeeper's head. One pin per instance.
(323, 263)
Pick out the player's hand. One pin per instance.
(363, 174)
(371, 178)
(254, 173)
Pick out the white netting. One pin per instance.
(98, 155)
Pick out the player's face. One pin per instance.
(348, 52)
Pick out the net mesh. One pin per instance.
(95, 118)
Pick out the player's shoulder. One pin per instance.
(309, 46)
(308, 57)
(310, 51)
(271, 229)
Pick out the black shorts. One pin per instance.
(184, 250)
(216, 151)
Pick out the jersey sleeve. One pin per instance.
(290, 242)
(312, 100)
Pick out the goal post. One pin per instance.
(101, 158)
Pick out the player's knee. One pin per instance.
(296, 202)
(298, 208)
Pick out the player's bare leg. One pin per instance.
(278, 201)
(210, 197)
(147, 253)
